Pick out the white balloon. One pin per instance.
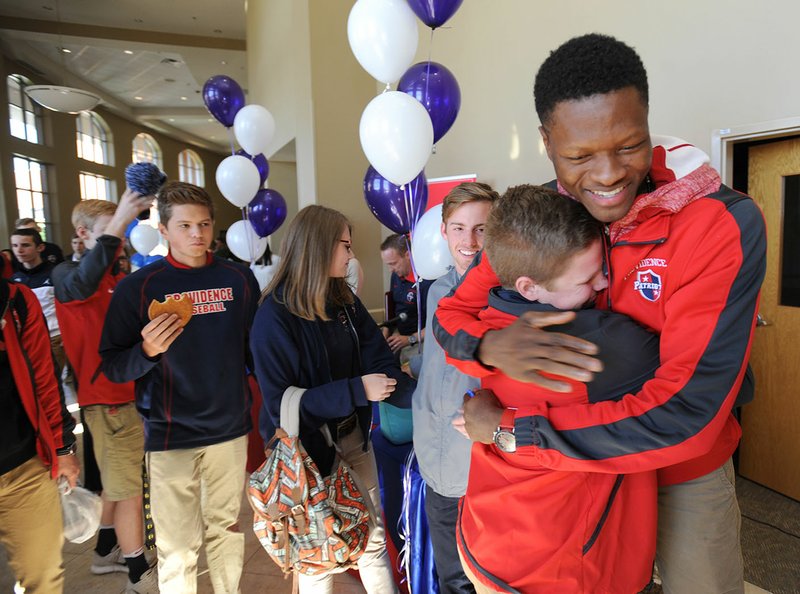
(397, 136)
(144, 238)
(428, 248)
(244, 243)
(254, 128)
(238, 180)
(383, 35)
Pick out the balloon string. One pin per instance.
(249, 232)
(231, 137)
(409, 238)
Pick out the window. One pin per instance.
(24, 116)
(190, 168)
(146, 150)
(95, 187)
(93, 138)
(30, 178)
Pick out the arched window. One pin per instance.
(33, 198)
(94, 138)
(146, 150)
(24, 116)
(190, 168)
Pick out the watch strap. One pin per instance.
(507, 420)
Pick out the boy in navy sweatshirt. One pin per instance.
(196, 404)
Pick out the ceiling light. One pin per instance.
(172, 119)
(224, 63)
(65, 50)
(138, 98)
(183, 98)
(129, 52)
(63, 99)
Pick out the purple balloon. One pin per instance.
(434, 13)
(224, 98)
(437, 89)
(261, 163)
(388, 201)
(267, 212)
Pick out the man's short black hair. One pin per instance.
(592, 64)
(27, 232)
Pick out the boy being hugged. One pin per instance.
(196, 408)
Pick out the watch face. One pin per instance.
(505, 441)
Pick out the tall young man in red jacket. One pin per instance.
(36, 442)
(686, 258)
(83, 294)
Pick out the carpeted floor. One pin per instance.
(770, 538)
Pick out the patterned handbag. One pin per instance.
(307, 523)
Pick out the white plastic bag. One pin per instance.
(81, 509)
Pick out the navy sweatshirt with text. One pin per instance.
(196, 393)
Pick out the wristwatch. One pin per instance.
(503, 436)
(69, 450)
(412, 340)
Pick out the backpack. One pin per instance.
(307, 523)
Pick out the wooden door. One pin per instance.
(770, 451)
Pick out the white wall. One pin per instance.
(711, 64)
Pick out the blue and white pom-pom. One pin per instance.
(144, 178)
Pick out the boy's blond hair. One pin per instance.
(86, 212)
(464, 193)
(533, 231)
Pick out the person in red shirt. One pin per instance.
(685, 258)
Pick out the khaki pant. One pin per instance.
(195, 496)
(479, 587)
(118, 441)
(31, 527)
(374, 566)
(57, 346)
(699, 524)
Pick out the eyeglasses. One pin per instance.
(348, 245)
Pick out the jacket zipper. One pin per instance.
(601, 522)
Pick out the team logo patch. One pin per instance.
(411, 296)
(648, 283)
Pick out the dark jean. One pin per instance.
(442, 515)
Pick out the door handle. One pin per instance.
(761, 321)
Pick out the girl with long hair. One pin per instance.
(312, 332)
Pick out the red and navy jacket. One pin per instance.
(404, 295)
(514, 503)
(196, 393)
(27, 344)
(687, 263)
(83, 292)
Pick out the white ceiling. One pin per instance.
(148, 59)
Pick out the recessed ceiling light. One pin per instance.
(65, 50)
(183, 98)
(138, 98)
(210, 120)
(129, 52)
(223, 62)
(172, 119)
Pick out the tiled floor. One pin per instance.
(260, 575)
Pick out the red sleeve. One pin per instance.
(35, 342)
(456, 324)
(705, 344)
